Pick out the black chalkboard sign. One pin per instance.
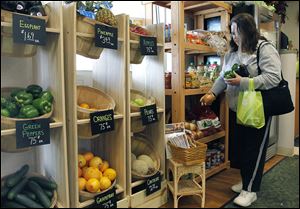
(29, 30)
(153, 184)
(148, 45)
(106, 200)
(102, 121)
(149, 114)
(106, 37)
(31, 133)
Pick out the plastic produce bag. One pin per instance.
(250, 109)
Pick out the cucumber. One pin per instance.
(48, 193)
(29, 194)
(44, 183)
(4, 191)
(40, 194)
(11, 204)
(24, 200)
(17, 176)
(16, 189)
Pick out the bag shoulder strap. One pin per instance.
(257, 57)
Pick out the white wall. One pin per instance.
(291, 26)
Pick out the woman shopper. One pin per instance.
(252, 143)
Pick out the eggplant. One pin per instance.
(37, 11)
(9, 5)
(22, 7)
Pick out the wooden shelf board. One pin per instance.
(140, 182)
(189, 92)
(201, 49)
(87, 203)
(138, 114)
(168, 92)
(86, 121)
(214, 170)
(212, 137)
(168, 47)
(49, 30)
(13, 130)
(186, 187)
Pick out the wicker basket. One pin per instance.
(135, 52)
(8, 47)
(135, 94)
(137, 125)
(96, 99)
(141, 145)
(54, 198)
(84, 195)
(189, 156)
(86, 46)
(8, 143)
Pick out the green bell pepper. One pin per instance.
(23, 98)
(35, 90)
(3, 102)
(29, 111)
(229, 74)
(42, 105)
(16, 91)
(12, 108)
(235, 67)
(47, 95)
(4, 112)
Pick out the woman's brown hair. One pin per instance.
(247, 28)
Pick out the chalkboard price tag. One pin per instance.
(31, 133)
(29, 30)
(148, 45)
(106, 37)
(107, 199)
(149, 114)
(153, 184)
(102, 122)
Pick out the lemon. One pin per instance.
(104, 166)
(92, 173)
(81, 161)
(81, 184)
(95, 162)
(88, 156)
(110, 173)
(92, 185)
(105, 183)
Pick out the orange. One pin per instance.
(92, 173)
(105, 183)
(95, 162)
(92, 185)
(84, 170)
(81, 161)
(81, 184)
(104, 166)
(85, 105)
(88, 156)
(79, 172)
(110, 173)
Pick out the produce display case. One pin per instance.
(45, 68)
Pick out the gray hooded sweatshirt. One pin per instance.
(269, 63)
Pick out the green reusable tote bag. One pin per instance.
(250, 109)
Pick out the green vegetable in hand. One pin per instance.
(3, 102)
(5, 112)
(47, 96)
(29, 111)
(23, 98)
(35, 90)
(42, 105)
(235, 67)
(12, 108)
(229, 74)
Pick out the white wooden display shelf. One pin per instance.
(186, 187)
(140, 182)
(109, 76)
(13, 130)
(45, 68)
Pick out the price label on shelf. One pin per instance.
(31, 133)
(106, 37)
(106, 200)
(29, 30)
(153, 184)
(102, 121)
(149, 114)
(148, 45)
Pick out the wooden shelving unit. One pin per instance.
(148, 78)
(109, 76)
(45, 68)
(197, 12)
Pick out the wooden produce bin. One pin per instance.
(109, 76)
(147, 77)
(46, 69)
